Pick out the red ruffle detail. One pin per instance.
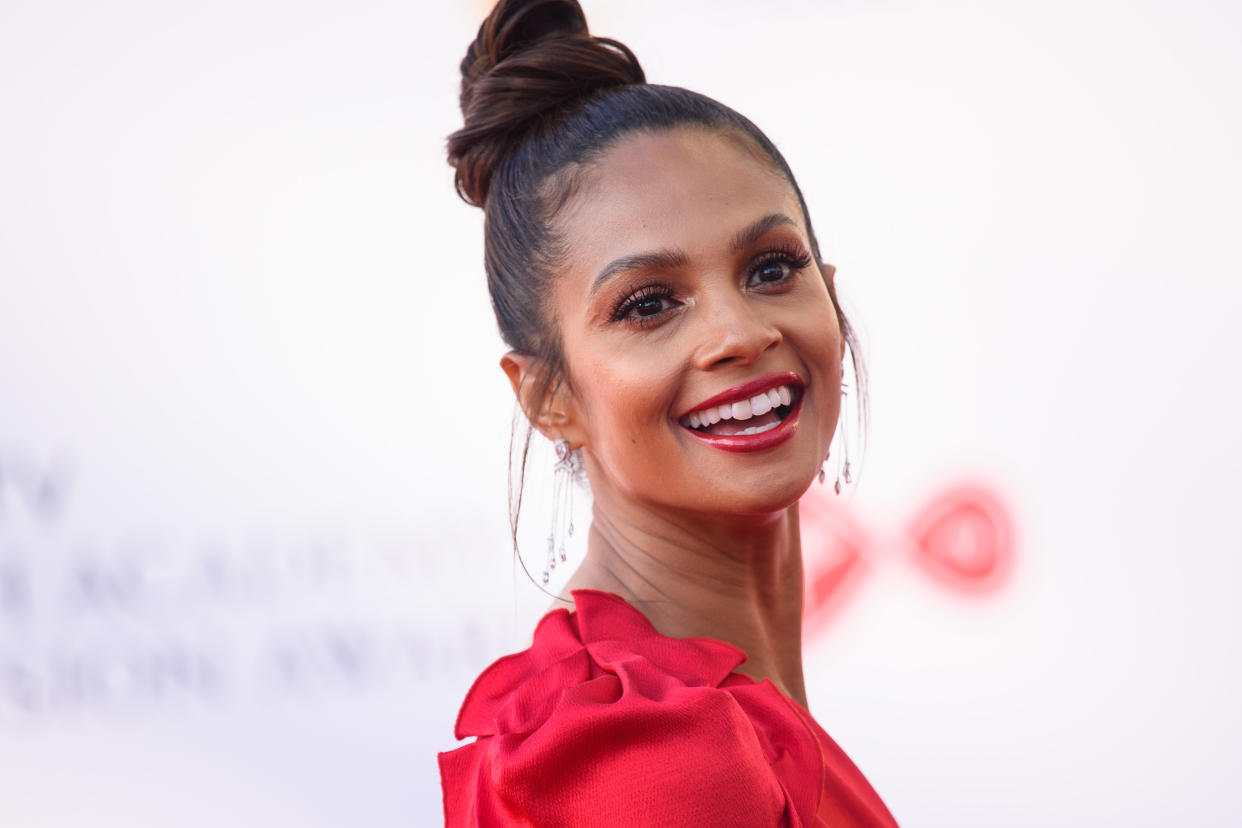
(604, 721)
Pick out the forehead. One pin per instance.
(687, 188)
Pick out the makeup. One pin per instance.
(751, 416)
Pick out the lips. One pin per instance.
(770, 404)
(772, 400)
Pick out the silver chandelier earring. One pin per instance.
(562, 506)
(843, 467)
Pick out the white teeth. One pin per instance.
(759, 429)
(756, 406)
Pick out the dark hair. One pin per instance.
(541, 98)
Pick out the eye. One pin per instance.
(649, 306)
(778, 265)
(645, 305)
(771, 271)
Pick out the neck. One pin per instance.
(738, 580)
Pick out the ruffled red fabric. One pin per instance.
(603, 721)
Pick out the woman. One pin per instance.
(653, 269)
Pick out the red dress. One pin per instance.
(603, 721)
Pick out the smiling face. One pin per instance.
(701, 343)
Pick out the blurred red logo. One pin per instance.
(961, 538)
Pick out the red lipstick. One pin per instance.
(764, 440)
(748, 389)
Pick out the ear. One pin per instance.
(829, 273)
(551, 410)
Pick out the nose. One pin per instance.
(734, 329)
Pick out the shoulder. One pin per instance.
(605, 721)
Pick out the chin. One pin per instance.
(764, 501)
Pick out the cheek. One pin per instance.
(817, 338)
(625, 406)
(625, 403)
(815, 331)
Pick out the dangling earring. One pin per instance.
(562, 506)
(843, 469)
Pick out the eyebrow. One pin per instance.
(657, 260)
(746, 237)
(672, 258)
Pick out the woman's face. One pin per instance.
(700, 340)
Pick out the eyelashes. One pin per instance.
(646, 304)
(786, 252)
(645, 298)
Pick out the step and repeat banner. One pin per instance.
(254, 439)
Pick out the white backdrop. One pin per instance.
(252, 433)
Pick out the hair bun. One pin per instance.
(531, 60)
